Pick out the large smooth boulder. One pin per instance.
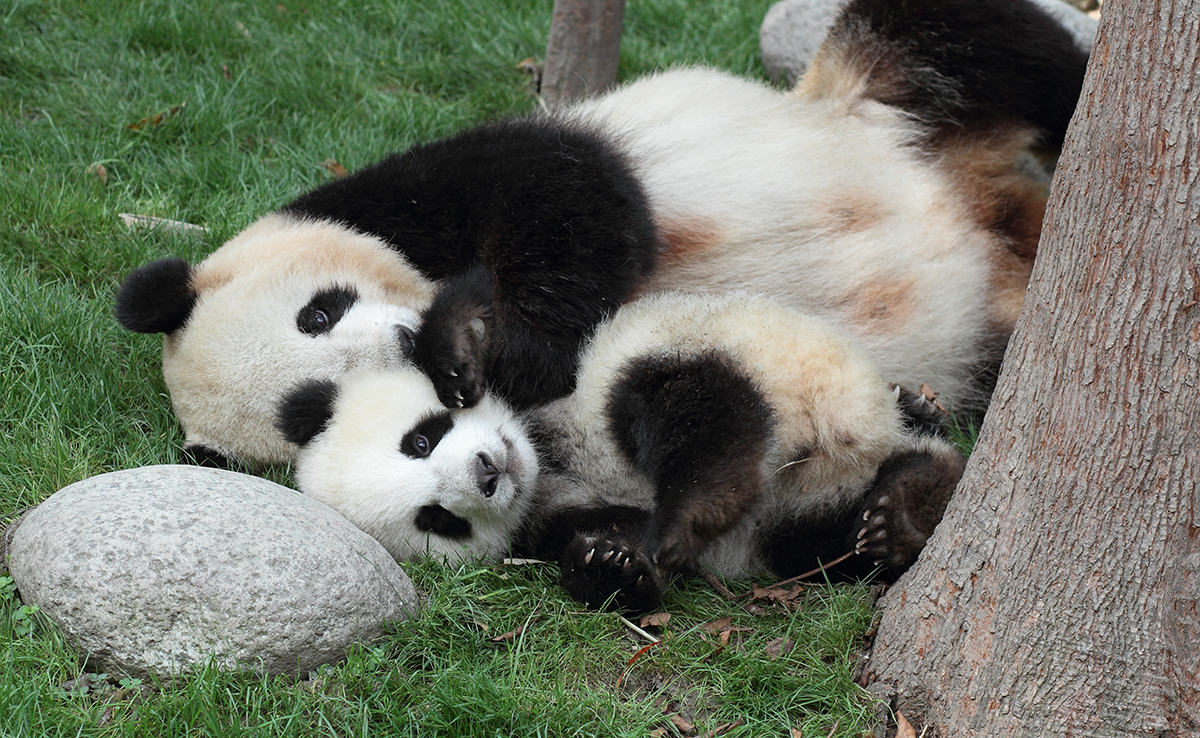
(153, 571)
(792, 31)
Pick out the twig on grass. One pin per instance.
(798, 577)
(629, 624)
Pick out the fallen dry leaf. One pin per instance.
(99, 172)
(682, 725)
(509, 635)
(903, 729)
(779, 647)
(657, 619)
(334, 167)
(157, 118)
(134, 222)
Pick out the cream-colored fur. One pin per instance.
(820, 203)
(836, 422)
(240, 350)
(823, 204)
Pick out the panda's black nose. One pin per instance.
(487, 474)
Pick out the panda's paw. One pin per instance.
(452, 355)
(904, 506)
(610, 572)
(886, 539)
(921, 410)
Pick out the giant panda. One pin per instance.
(722, 433)
(887, 194)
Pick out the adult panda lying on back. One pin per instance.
(724, 433)
(883, 195)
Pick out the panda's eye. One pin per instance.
(421, 445)
(325, 309)
(407, 339)
(420, 442)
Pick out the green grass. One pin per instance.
(269, 92)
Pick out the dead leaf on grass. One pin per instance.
(334, 167)
(504, 637)
(657, 619)
(135, 222)
(779, 647)
(157, 119)
(682, 725)
(99, 172)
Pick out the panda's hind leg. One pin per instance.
(700, 429)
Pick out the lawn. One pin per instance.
(211, 113)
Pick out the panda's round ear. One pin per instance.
(157, 297)
(201, 455)
(305, 411)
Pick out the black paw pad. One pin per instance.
(451, 353)
(921, 410)
(906, 502)
(612, 572)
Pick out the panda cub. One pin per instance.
(728, 434)
(886, 194)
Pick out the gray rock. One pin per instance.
(152, 571)
(792, 31)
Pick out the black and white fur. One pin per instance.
(885, 194)
(728, 434)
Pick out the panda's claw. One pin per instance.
(613, 572)
(906, 503)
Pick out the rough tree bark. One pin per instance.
(1060, 594)
(583, 48)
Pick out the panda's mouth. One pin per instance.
(439, 520)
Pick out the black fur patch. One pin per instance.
(601, 570)
(201, 455)
(550, 213)
(306, 410)
(439, 520)
(420, 441)
(325, 309)
(699, 428)
(800, 545)
(905, 503)
(156, 297)
(966, 65)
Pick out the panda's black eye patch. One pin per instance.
(437, 519)
(325, 309)
(425, 435)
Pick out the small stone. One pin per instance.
(150, 572)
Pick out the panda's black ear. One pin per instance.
(201, 455)
(157, 297)
(305, 411)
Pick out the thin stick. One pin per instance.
(723, 729)
(805, 575)
(716, 584)
(629, 624)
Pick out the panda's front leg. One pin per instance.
(604, 570)
(451, 345)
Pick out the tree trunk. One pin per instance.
(583, 49)
(1060, 594)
